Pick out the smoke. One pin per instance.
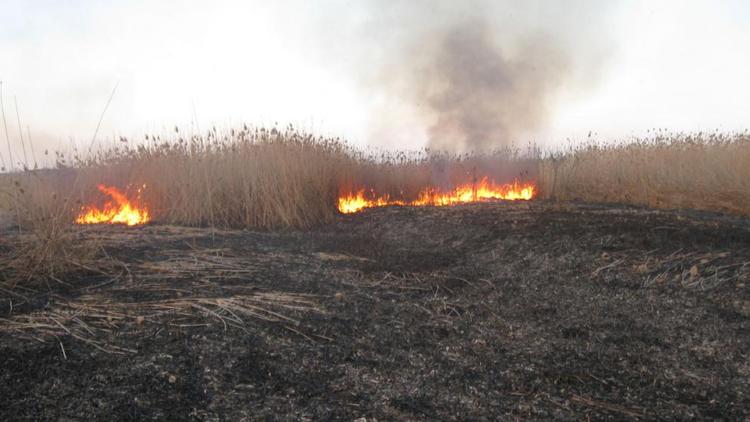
(477, 96)
(480, 75)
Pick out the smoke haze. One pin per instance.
(482, 75)
(477, 97)
(455, 75)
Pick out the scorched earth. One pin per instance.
(521, 310)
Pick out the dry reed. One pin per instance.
(694, 171)
(282, 178)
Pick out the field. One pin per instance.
(525, 310)
(619, 291)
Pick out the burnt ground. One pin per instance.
(484, 311)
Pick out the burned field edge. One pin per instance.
(529, 310)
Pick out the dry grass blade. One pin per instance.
(89, 317)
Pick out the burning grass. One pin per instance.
(258, 178)
(265, 179)
(470, 192)
(283, 178)
(275, 179)
(121, 211)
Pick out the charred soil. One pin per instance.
(482, 311)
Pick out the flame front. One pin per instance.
(481, 191)
(118, 211)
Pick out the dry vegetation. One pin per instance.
(277, 179)
(271, 179)
(249, 178)
(707, 171)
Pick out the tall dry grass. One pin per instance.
(253, 178)
(283, 178)
(707, 171)
(250, 178)
(44, 248)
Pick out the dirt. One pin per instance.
(484, 311)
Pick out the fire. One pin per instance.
(471, 192)
(119, 211)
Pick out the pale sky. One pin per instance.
(676, 64)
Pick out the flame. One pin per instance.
(121, 211)
(482, 191)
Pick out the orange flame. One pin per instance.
(481, 191)
(122, 211)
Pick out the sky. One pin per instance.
(369, 71)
